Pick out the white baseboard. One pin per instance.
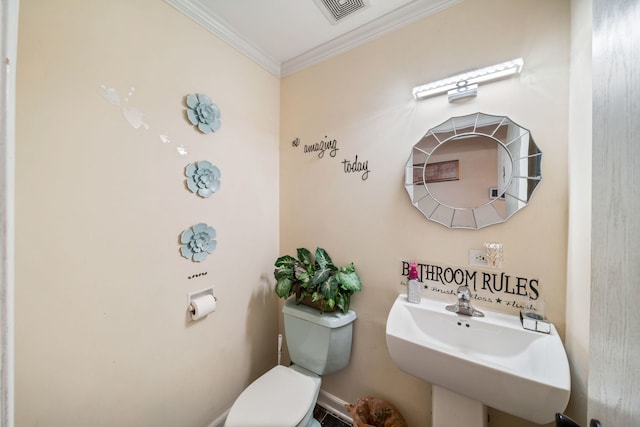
(326, 400)
(334, 404)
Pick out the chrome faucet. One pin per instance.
(463, 306)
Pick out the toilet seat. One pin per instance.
(280, 398)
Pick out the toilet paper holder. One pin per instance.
(191, 296)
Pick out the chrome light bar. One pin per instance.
(466, 80)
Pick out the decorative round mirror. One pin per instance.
(473, 171)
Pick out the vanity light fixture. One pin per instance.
(466, 84)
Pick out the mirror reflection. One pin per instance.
(473, 171)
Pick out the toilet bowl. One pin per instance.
(318, 344)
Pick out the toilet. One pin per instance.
(319, 344)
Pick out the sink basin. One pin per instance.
(491, 359)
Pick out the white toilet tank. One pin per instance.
(320, 343)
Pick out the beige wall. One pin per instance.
(101, 336)
(363, 100)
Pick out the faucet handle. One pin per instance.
(464, 294)
(464, 303)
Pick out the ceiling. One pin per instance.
(285, 36)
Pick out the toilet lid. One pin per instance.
(279, 398)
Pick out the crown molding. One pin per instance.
(385, 24)
(391, 21)
(215, 25)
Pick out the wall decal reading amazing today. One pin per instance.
(348, 166)
(356, 166)
(500, 288)
(322, 146)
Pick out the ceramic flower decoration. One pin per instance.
(197, 242)
(203, 113)
(203, 178)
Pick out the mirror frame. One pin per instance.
(484, 125)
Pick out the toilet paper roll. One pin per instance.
(202, 306)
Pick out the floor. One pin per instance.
(327, 419)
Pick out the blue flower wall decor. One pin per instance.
(198, 241)
(203, 178)
(203, 113)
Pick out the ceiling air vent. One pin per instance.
(336, 10)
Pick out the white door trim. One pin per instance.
(8, 47)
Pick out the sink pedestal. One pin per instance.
(449, 409)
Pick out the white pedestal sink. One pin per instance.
(491, 359)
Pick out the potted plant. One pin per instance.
(316, 282)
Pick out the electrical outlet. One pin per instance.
(477, 258)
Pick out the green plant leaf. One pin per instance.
(328, 304)
(349, 279)
(283, 287)
(323, 259)
(305, 257)
(286, 261)
(301, 274)
(342, 303)
(321, 275)
(329, 288)
(307, 286)
(347, 303)
(325, 267)
(282, 272)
